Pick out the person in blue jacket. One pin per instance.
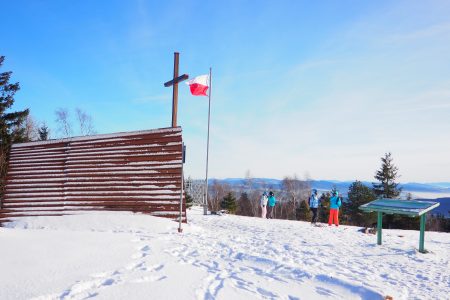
(335, 203)
(314, 205)
(271, 205)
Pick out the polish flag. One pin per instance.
(199, 85)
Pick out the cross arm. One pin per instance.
(176, 80)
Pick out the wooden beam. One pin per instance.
(175, 90)
(176, 80)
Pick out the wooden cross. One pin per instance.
(174, 82)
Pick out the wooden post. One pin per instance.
(174, 84)
(180, 230)
(422, 234)
(379, 227)
(175, 90)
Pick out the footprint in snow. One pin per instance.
(86, 289)
(266, 293)
(136, 266)
(149, 279)
(143, 252)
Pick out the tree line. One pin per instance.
(293, 196)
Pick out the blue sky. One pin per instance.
(319, 89)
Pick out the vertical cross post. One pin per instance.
(379, 227)
(174, 84)
(175, 89)
(422, 234)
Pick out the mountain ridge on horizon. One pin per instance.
(437, 188)
(440, 183)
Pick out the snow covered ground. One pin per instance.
(119, 255)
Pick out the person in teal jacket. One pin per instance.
(335, 203)
(271, 205)
(314, 202)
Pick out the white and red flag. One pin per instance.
(199, 85)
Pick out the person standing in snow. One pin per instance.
(271, 205)
(263, 203)
(314, 205)
(335, 203)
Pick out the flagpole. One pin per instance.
(205, 206)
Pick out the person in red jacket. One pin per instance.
(335, 203)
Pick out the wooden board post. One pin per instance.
(379, 227)
(422, 234)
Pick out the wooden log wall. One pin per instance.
(135, 171)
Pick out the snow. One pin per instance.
(59, 165)
(104, 137)
(85, 148)
(125, 196)
(90, 192)
(78, 158)
(121, 255)
(75, 154)
(74, 180)
(104, 169)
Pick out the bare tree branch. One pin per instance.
(62, 119)
(85, 122)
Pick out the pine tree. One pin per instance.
(359, 194)
(387, 175)
(244, 205)
(302, 212)
(12, 129)
(189, 200)
(229, 203)
(388, 188)
(11, 124)
(43, 132)
(324, 207)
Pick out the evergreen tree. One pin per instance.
(189, 200)
(359, 194)
(12, 129)
(229, 203)
(244, 205)
(387, 175)
(388, 188)
(302, 212)
(324, 207)
(43, 132)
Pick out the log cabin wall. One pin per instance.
(135, 171)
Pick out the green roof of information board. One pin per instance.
(397, 206)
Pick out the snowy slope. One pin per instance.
(120, 255)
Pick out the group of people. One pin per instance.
(268, 201)
(335, 204)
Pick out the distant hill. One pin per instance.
(443, 208)
(442, 184)
(419, 190)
